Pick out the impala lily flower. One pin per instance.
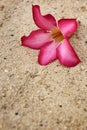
(52, 39)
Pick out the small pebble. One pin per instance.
(16, 113)
(6, 71)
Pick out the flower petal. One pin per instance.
(66, 54)
(36, 39)
(47, 53)
(46, 22)
(67, 26)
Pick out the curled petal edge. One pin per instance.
(46, 22)
(36, 39)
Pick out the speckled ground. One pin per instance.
(33, 97)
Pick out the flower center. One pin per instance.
(57, 35)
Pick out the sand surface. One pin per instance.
(33, 97)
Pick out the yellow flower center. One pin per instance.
(57, 35)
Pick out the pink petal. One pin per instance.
(67, 26)
(36, 39)
(46, 22)
(47, 53)
(66, 54)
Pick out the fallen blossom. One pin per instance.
(52, 39)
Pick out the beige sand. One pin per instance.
(33, 97)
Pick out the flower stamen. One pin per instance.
(57, 35)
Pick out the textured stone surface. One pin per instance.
(33, 97)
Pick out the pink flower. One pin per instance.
(52, 39)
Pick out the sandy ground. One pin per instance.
(33, 97)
